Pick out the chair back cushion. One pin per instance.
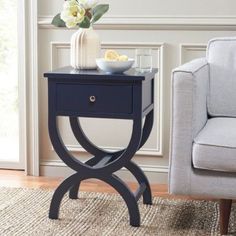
(221, 55)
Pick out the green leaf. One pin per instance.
(99, 11)
(57, 21)
(85, 23)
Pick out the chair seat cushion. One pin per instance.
(214, 147)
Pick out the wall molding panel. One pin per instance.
(222, 23)
(190, 48)
(159, 47)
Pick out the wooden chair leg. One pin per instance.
(225, 209)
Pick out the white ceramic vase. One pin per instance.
(85, 48)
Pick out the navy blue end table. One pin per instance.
(77, 94)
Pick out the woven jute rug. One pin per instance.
(25, 212)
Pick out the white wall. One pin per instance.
(154, 7)
(176, 30)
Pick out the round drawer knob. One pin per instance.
(92, 99)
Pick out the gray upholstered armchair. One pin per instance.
(203, 147)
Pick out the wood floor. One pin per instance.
(9, 178)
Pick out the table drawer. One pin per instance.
(88, 98)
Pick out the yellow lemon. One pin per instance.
(111, 55)
(123, 58)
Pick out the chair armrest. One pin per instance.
(190, 86)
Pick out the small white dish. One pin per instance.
(114, 66)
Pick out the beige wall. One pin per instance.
(176, 30)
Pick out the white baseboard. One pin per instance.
(155, 174)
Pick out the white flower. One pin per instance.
(72, 13)
(88, 4)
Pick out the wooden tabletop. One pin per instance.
(70, 73)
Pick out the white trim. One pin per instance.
(155, 174)
(145, 168)
(142, 152)
(158, 150)
(34, 76)
(157, 22)
(32, 166)
(22, 85)
(12, 165)
(192, 47)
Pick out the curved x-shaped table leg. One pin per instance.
(112, 180)
(74, 190)
(60, 148)
(134, 168)
(131, 166)
(88, 146)
(142, 180)
(59, 194)
(83, 140)
(94, 169)
(129, 198)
